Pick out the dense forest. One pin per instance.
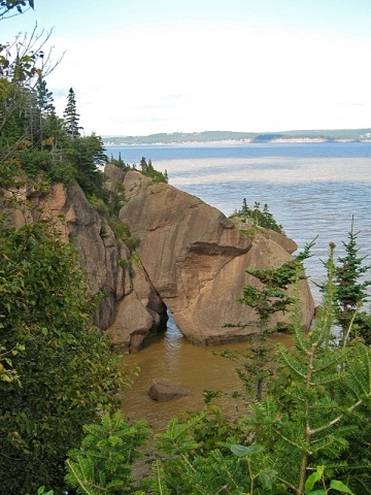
(305, 429)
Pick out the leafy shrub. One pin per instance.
(122, 232)
(67, 372)
(62, 172)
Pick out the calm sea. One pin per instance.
(312, 189)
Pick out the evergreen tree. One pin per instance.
(103, 463)
(351, 290)
(71, 116)
(143, 165)
(267, 298)
(257, 216)
(148, 170)
(44, 97)
(86, 155)
(319, 402)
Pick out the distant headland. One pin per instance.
(231, 137)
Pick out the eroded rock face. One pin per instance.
(191, 259)
(196, 259)
(130, 306)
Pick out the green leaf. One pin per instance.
(340, 487)
(267, 477)
(243, 451)
(313, 478)
(317, 492)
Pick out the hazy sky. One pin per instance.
(145, 66)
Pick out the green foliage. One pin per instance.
(109, 209)
(32, 135)
(273, 296)
(44, 97)
(122, 232)
(37, 161)
(102, 464)
(267, 298)
(71, 117)
(258, 217)
(66, 370)
(6, 6)
(44, 491)
(196, 458)
(318, 477)
(148, 170)
(119, 162)
(318, 401)
(86, 155)
(7, 372)
(351, 290)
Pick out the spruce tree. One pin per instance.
(71, 115)
(45, 105)
(44, 97)
(351, 290)
(268, 298)
(143, 165)
(318, 403)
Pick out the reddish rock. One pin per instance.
(196, 260)
(163, 391)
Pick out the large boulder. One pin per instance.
(196, 260)
(162, 391)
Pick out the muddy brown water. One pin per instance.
(197, 367)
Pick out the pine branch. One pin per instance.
(332, 423)
(80, 482)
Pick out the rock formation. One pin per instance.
(191, 259)
(128, 296)
(196, 259)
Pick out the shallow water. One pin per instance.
(196, 367)
(312, 189)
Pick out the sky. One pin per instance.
(148, 66)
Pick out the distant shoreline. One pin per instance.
(232, 138)
(238, 142)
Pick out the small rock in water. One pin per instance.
(163, 390)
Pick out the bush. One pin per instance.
(148, 170)
(258, 217)
(103, 463)
(67, 372)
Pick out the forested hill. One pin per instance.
(220, 136)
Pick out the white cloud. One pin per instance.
(228, 76)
